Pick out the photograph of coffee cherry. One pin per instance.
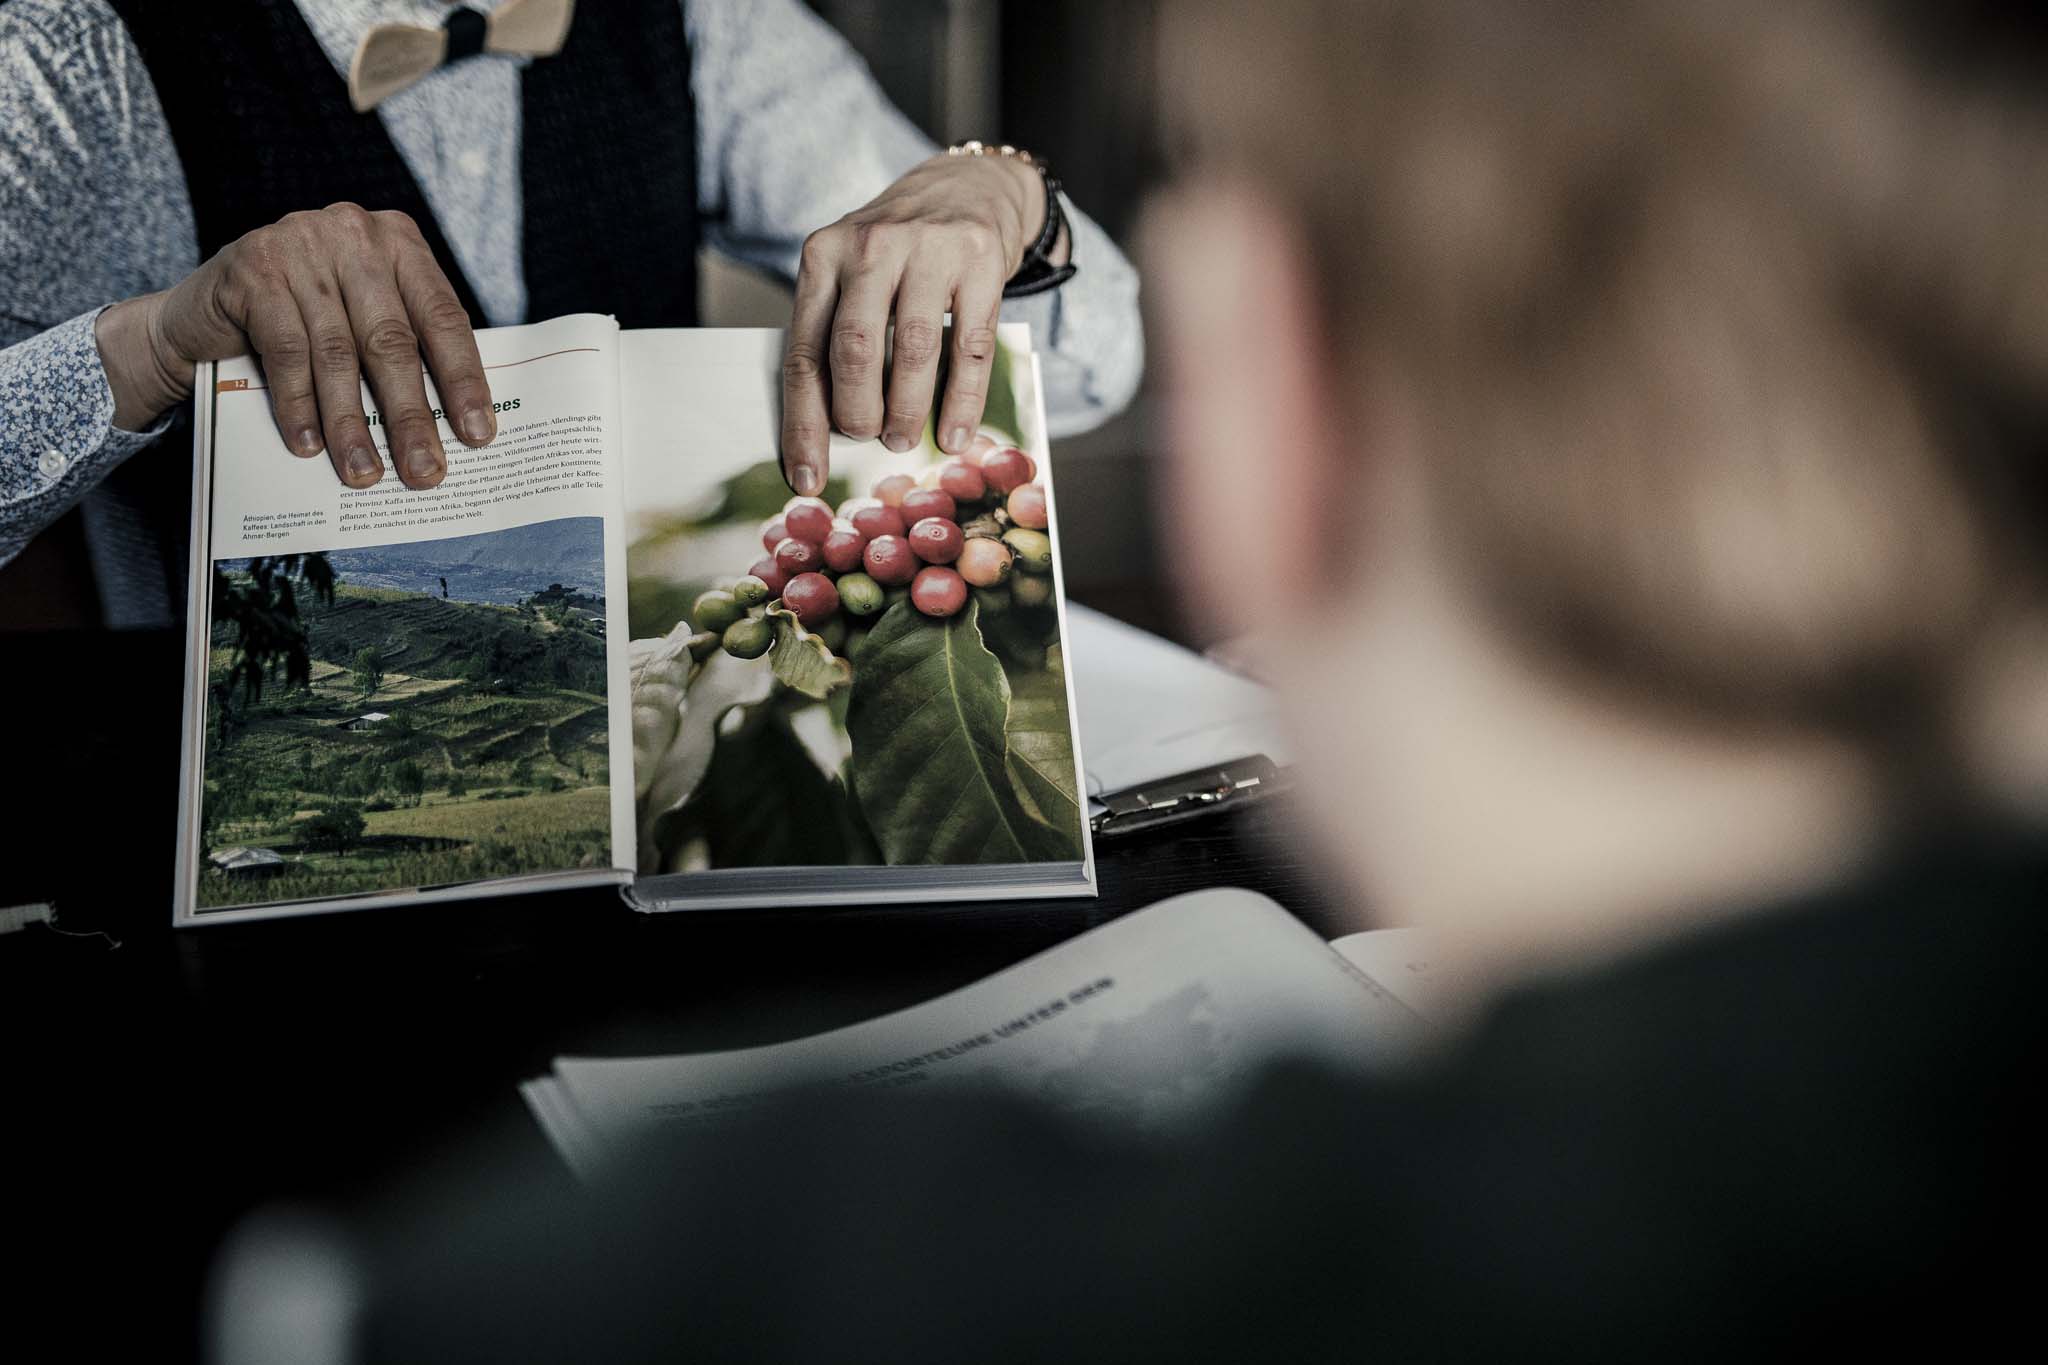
(875, 675)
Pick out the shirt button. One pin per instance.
(52, 464)
(473, 163)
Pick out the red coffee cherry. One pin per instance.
(889, 561)
(770, 573)
(1027, 506)
(842, 549)
(928, 502)
(808, 519)
(773, 532)
(812, 597)
(936, 540)
(890, 490)
(1008, 468)
(984, 562)
(962, 480)
(795, 556)
(981, 448)
(938, 592)
(878, 520)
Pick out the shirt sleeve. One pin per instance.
(93, 208)
(794, 133)
(57, 432)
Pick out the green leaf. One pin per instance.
(927, 718)
(1042, 749)
(800, 659)
(764, 802)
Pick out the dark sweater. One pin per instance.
(1797, 1131)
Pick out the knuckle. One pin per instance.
(820, 249)
(976, 345)
(332, 350)
(285, 360)
(902, 417)
(917, 342)
(801, 364)
(853, 348)
(978, 241)
(390, 342)
(443, 313)
(395, 222)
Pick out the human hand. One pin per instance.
(947, 236)
(323, 299)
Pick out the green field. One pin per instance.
(491, 760)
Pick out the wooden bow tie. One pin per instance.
(392, 56)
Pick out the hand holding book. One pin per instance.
(308, 296)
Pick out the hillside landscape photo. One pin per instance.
(408, 716)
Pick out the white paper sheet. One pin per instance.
(1150, 709)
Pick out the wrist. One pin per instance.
(145, 380)
(1027, 189)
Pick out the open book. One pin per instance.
(609, 648)
(1144, 1022)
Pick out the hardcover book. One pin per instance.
(609, 648)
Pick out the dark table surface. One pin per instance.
(161, 1089)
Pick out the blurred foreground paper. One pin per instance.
(1143, 1023)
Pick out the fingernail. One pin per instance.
(956, 439)
(805, 480)
(363, 464)
(307, 442)
(420, 460)
(896, 441)
(478, 426)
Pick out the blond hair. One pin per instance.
(1711, 312)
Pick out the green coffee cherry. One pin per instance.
(1032, 548)
(750, 591)
(748, 638)
(1031, 590)
(715, 610)
(993, 601)
(860, 594)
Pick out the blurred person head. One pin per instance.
(1621, 424)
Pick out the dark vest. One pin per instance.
(608, 158)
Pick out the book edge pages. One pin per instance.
(198, 648)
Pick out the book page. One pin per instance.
(828, 708)
(401, 692)
(1144, 1021)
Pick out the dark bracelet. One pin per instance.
(1036, 273)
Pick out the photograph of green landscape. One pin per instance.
(406, 716)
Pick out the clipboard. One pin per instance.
(1189, 796)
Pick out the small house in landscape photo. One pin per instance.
(248, 862)
(369, 720)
